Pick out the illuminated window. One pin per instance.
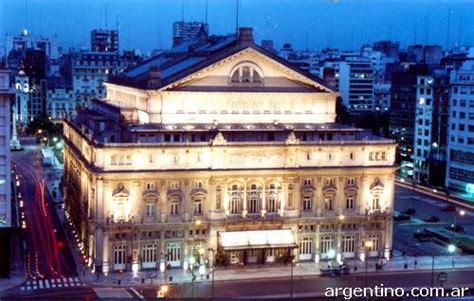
(246, 73)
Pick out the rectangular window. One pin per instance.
(174, 207)
(113, 160)
(197, 206)
(307, 206)
(307, 182)
(174, 185)
(150, 186)
(328, 203)
(150, 209)
(350, 202)
(350, 181)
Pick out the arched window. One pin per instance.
(272, 198)
(235, 199)
(246, 73)
(253, 205)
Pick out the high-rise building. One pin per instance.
(223, 147)
(104, 40)
(430, 132)
(6, 222)
(89, 71)
(460, 163)
(356, 84)
(185, 31)
(27, 41)
(402, 113)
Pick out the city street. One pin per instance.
(48, 259)
(403, 240)
(309, 286)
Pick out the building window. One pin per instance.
(350, 201)
(150, 186)
(305, 248)
(173, 251)
(375, 202)
(375, 243)
(197, 206)
(253, 199)
(307, 182)
(113, 160)
(174, 185)
(120, 256)
(308, 156)
(352, 156)
(348, 244)
(327, 244)
(151, 159)
(272, 198)
(120, 212)
(307, 203)
(328, 203)
(150, 209)
(246, 74)
(350, 181)
(330, 181)
(149, 255)
(197, 184)
(235, 195)
(174, 207)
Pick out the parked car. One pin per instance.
(401, 217)
(409, 211)
(448, 208)
(455, 228)
(431, 219)
(423, 235)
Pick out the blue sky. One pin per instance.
(313, 24)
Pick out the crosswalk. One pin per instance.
(51, 283)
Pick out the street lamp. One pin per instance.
(212, 270)
(368, 245)
(452, 250)
(163, 291)
(291, 278)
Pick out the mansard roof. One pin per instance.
(192, 56)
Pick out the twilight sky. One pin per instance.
(313, 24)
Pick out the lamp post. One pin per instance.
(212, 271)
(368, 244)
(452, 250)
(291, 277)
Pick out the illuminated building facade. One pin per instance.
(220, 144)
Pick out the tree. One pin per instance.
(342, 115)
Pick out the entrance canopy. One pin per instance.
(260, 239)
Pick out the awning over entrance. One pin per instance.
(260, 239)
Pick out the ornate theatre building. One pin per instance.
(219, 150)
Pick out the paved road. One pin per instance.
(49, 263)
(403, 240)
(312, 286)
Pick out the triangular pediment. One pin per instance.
(276, 75)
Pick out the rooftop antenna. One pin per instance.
(182, 10)
(206, 12)
(427, 28)
(26, 14)
(237, 18)
(448, 29)
(460, 31)
(117, 20)
(106, 15)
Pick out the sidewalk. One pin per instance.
(275, 271)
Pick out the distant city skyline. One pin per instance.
(343, 24)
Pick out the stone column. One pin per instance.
(245, 211)
(317, 251)
(264, 198)
(225, 195)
